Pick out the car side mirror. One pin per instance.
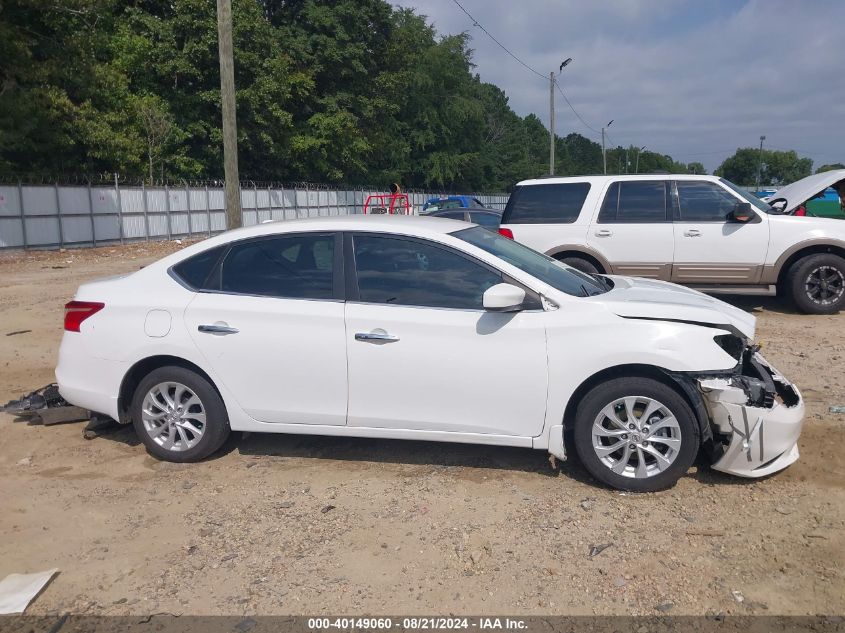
(742, 212)
(503, 298)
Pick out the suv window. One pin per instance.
(634, 202)
(704, 201)
(416, 273)
(555, 203)
(294, 266)
(484, 219)
(195, 270)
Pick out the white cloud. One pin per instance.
(694, 80)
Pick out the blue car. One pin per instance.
(452, 202)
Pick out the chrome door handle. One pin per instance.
(692, 233)
(604, 233)
(375, 336)
(217, 329)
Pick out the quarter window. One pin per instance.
(704, 202)
(407, 272)
(296, 267)
(554, 203)
(195, 270)
(634, 202)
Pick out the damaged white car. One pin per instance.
(425, 329)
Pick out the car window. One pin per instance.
(556, 274)
(484, 219)
(408, 272)
(296, 267)
(558, 203)
(452, 215)
(702, 201)
(634, 202)
(195, 270)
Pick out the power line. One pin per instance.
(580, 118)
(533, 70)
(502, 46)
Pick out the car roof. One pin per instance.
(411, 225)
(601, 178)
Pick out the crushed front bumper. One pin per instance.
(757, 417)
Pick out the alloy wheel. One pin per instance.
(825, 285)
(636, 436)
(173, 416)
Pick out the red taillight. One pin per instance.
(506, 233)
(77, 311)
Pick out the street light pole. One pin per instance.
(603, 150)
(760, 163)
(552, 123)
(552, 115)
(637, 165)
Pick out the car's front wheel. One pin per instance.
(635, 434)
(178, 415)
(817, 283)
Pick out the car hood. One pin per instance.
(659, 300)
(802, 190)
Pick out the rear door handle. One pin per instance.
(604, 233)
(217, 329)
(375, 336)
(692, 233)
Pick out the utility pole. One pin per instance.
(552, 116)
(603, 150)
(637, 165)
(552, 123)
(760, 163)
(227, 99)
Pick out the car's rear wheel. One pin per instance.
(635, 434)
(178, 415)
(579, 263)
(817, 283)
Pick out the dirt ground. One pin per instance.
(298, 525)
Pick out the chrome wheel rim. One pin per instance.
(636, 437)
(173, 416)
(825, 285)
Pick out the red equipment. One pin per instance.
(393, 203)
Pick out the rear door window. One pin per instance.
(554, 203)
(635, 202)
(291, 266)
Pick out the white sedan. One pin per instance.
(425, 329)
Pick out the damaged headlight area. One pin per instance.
(756, 415)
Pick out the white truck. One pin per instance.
(700, 231)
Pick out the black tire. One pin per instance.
(579, 263)
(803, 282)
(607, 393)
(216, 428)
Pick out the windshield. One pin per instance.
(765, 207)
(556, 274)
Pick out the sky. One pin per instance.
(695, 79)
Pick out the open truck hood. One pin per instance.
(802, 190)
(664, 301)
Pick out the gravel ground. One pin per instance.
(304, 525)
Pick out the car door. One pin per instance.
(633, 229)
(270, 323)
(709, 246)
(423, 354)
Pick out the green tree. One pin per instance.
(830, 167)
(776, 167)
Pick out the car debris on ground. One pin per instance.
(18, 590)
(45, 405)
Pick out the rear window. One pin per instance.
(635, 202)
(195, 270)
(555, 203)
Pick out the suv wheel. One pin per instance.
(579, 263)
(178, 415)
(635, 434)
(817, 283)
